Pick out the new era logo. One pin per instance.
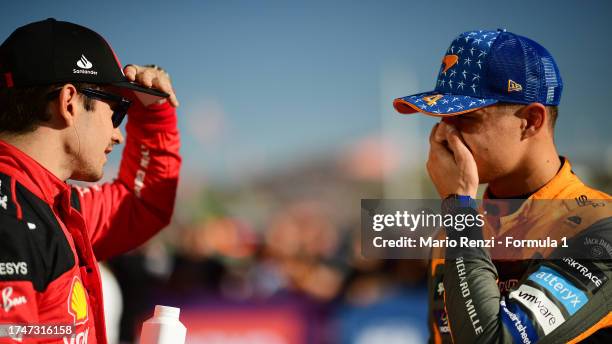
(84, 63)
(514, 86)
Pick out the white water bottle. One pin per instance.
(164, 327)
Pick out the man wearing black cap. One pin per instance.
(63, 95)
(497, 95)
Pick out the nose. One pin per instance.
(117, 137)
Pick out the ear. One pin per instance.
(68, 102)
(533, 119)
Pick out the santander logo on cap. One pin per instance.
(84, 66)
(84, 63)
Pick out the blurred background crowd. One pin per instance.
(286, 124)
(287, 242)
(278, 259)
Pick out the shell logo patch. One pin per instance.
(77, 302)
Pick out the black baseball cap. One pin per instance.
(51, 51)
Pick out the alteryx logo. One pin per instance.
(563, 290)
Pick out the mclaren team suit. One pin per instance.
(52, 234)
(566, 297)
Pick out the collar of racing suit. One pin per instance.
(562, 181)
(550, 190)
(34, 176)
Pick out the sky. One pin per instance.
(266, 84)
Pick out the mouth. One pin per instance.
(108, 150)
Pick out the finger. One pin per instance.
(437, 149)
(156, 82)
(433, 132)
(456, 145)
(162, 83)
(437, 141)
(130, 72)
(451, 133)
(440, 135)
(154, 78)
(145, 77)
(173, 100)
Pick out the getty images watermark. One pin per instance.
(507, 229)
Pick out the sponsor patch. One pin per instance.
(598, 248)
(507, 285)
(438, 287)
(562, 289)
(84, 63)
(518, 323)
(77, 302)
(3, 198)
(547, 314)
(584, 201)
(7, 205)
(9, 300)
(13, 268)
(442, 320)
(449, 61)
(514, 86)
(145, 157)
(589, 275)
(77, 338)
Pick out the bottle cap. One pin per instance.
(166, 311)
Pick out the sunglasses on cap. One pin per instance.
(118, 104)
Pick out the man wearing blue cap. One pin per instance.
(497, 95)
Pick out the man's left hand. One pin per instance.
(153, 78)
(451, 165)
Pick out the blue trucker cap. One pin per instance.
(481, 68)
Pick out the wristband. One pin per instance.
(454, 202)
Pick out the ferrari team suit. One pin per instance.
(52, 234)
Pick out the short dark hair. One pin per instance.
(23, 109)
(553, 111)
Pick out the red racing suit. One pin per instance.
(52, 234)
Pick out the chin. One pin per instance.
(94, 179)
(88, 176)
(96, 176)
(484, 177)
(487, 171)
